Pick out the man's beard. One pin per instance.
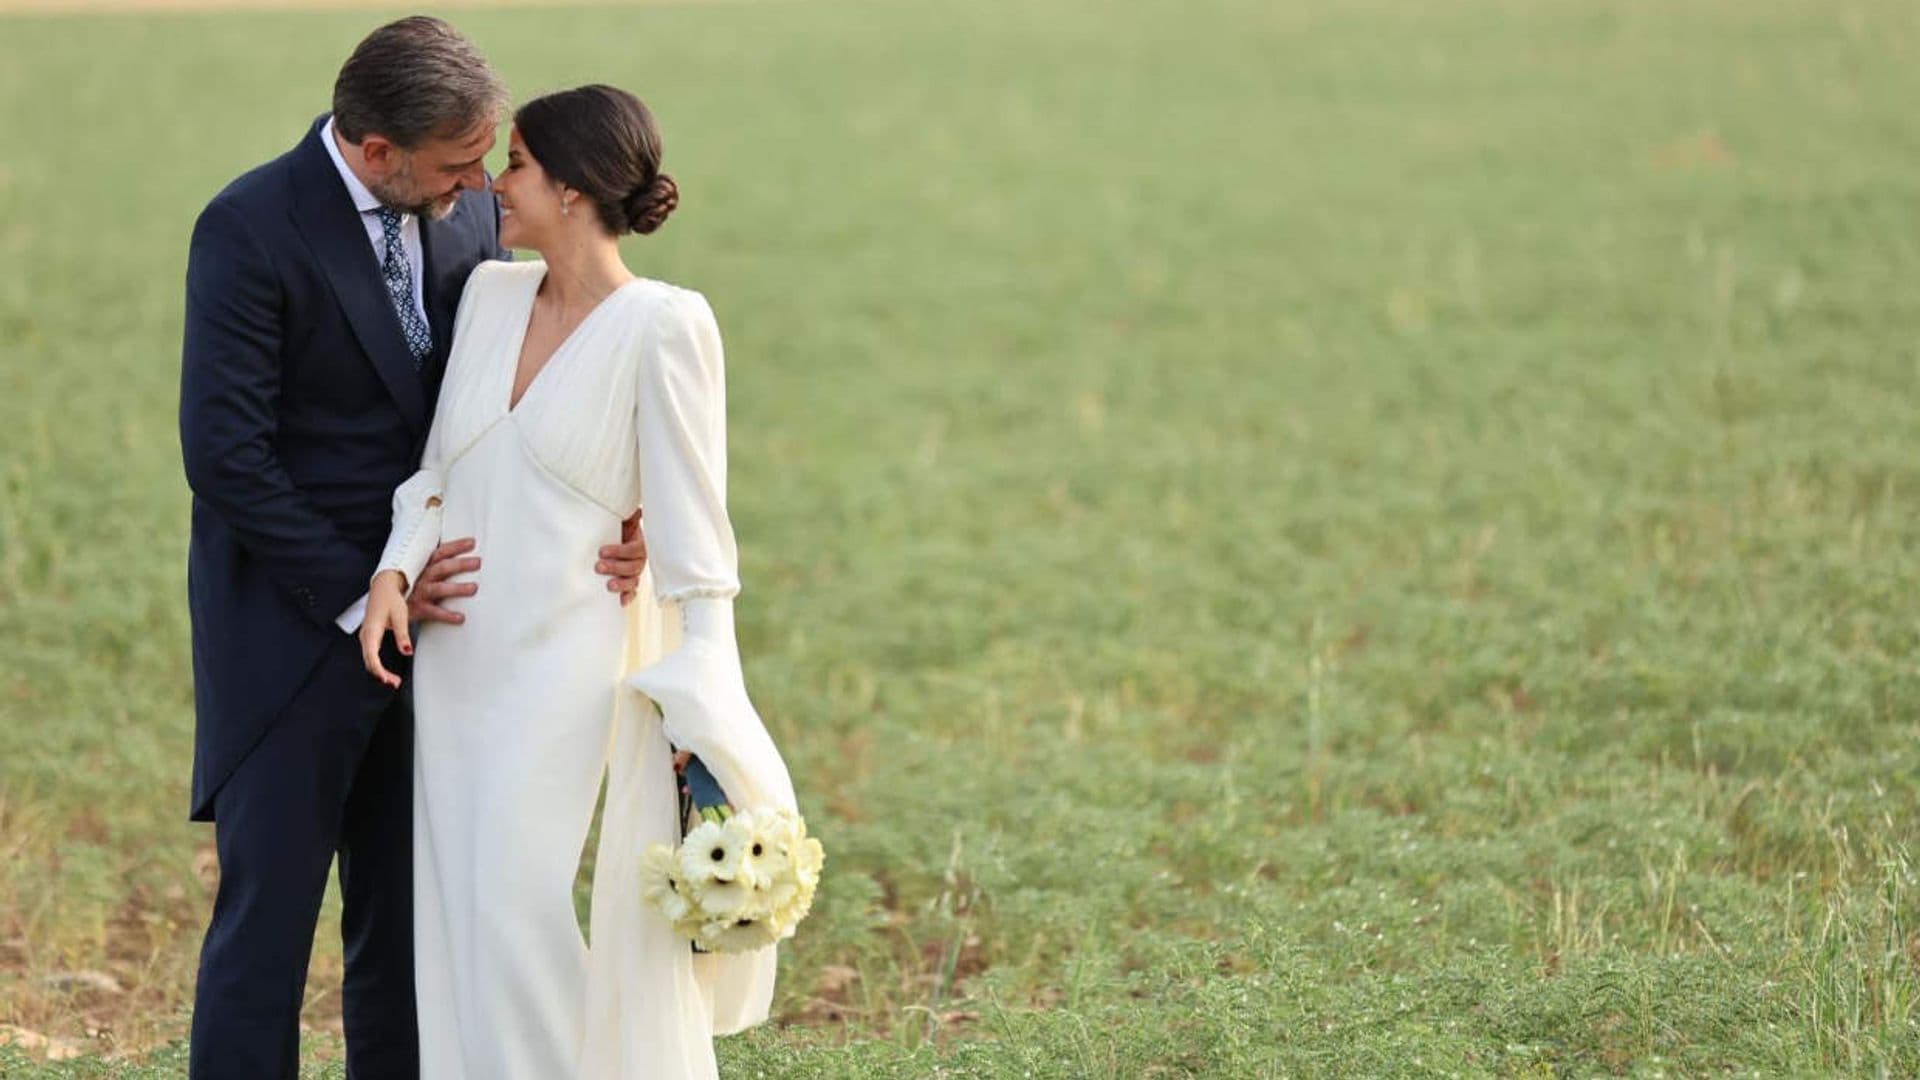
(399, 192)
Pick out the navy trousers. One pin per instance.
(333, 775)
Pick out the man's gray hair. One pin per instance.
(414, 79)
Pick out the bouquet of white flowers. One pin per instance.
(740, 879)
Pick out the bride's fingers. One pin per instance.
(370, 637)
(400, 636)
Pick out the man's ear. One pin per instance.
(380, 154)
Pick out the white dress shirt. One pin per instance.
(367, 203)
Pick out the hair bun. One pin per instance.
(602, 142)
(647, 208)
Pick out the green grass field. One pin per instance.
(1281, 537)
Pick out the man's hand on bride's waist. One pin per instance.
(623, 562)
(424, 603)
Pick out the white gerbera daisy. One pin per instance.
(730, 900)
(743, 935)
(771, 852)
(743, 831)
(710, 855)
(808, 859)
(660, 883)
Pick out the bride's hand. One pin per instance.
(386, 610)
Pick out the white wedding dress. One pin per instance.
(550, 685)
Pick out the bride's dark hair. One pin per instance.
(602, 142)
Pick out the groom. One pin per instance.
(321, 291)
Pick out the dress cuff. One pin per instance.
(707, 618)
(416, 527)
(702, 699)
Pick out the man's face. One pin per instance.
(428, 179)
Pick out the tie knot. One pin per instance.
(389, 220)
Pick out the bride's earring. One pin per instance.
(565, 207)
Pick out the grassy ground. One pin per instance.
(1282, 537)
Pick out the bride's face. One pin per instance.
(530, 201)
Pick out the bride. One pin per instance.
(576, 392)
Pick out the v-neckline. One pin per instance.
(526, 324)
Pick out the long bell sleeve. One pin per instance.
(698, 685)
(416, 524)
(683, 687)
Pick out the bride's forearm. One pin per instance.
(416, 526)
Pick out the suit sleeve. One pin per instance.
(229, 412)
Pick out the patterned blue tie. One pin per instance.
(400, 288)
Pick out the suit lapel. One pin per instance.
(324, 214)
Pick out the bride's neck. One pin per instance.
(580, 275)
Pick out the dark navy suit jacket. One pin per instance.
(301, 409)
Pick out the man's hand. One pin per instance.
(446, 561)
(622, 562)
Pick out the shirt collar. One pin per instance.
(363, 200)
